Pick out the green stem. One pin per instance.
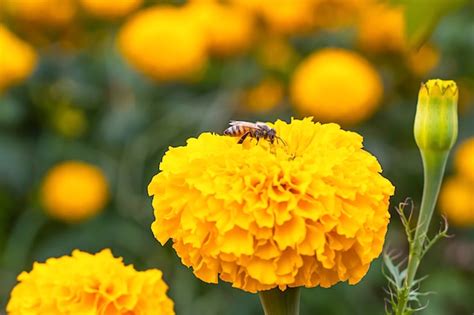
(434, 163)
(277, 302)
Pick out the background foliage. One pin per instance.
(85, 102)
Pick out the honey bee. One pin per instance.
(257, 130)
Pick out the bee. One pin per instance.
(257, 130)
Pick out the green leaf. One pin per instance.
(422, 16)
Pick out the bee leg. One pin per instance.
(243, 137)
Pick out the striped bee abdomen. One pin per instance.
(235, 131)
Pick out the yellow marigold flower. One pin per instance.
(381, 29)
(18, 59)
(44, 12)
(164, 42)
(456, 201)
(308, 213)
(84, 283)
(229, 29)
(73, 191)
(464, 159)
(424, 60)
(336, 85)
(264, 96)
(110, 9)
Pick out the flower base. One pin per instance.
(277, 302)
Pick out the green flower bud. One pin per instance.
(436, 120)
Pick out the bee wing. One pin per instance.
(261, 124)
(243, 124)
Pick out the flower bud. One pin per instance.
(436, 120)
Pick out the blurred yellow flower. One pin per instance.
(288, 16)
(337, 13)
(336, 85)
(308, 213)
(229, 29)
(74, 191)
(464, 159)
(456, 201)
(17, 59)
(86, 283)
(381, 29)
(69, 121)
(52, 13)
(164, 42)
(466, 94)
(424, 60)
(264, 96)
(110, 9)
(276, 53)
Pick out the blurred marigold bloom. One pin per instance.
(381, 29)
(276, 53)
(289, 16)
(86, 283)
(17, 59)
(69, 121)
(264, 96)
(456, 201)
(464, 159)
(110, 9)
(74, 191)
(338, 13)
(336, 85)
(164, 42)
(53, 13)
(424, 60)
(308, 213)
(229, 29)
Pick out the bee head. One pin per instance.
(271, 134)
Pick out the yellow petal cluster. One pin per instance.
(336, 85)
(229, 29)
(456, 201)
(381, 29)
(464, 159)
(110, 9)
(73, 191)
(311, 211)
(89, 284)
(17, 59)
(53, 13)
(164, 43)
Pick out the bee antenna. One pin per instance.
(279, 138)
